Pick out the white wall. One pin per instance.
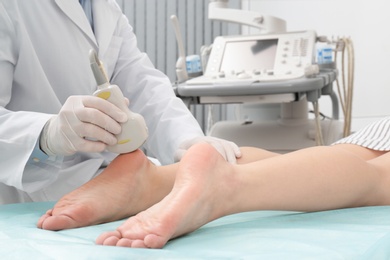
(367, 23)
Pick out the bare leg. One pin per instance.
(317, 178)
(207, 188)
(128, 185)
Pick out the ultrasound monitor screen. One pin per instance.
(249, 55)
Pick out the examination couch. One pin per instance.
(359, 233)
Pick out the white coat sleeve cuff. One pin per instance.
(38, 155)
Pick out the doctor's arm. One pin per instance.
(23, 165)
(172, 127)
(19, 130)
(26, 135)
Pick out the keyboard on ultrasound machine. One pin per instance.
(241, 78)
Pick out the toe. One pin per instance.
(154, 241)
(59, 222)
(108, 238)
(42, 219)
(125, 242)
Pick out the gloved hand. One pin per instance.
(229, 150)
(85, 124)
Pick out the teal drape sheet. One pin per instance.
(360, 233)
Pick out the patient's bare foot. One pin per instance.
(203, 185)
(127, 186)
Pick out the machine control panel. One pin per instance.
(257, 58)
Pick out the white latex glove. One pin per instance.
(84, 124)
(229, 150)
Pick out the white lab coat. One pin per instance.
(44, 47)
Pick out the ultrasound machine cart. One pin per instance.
(292, 131)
